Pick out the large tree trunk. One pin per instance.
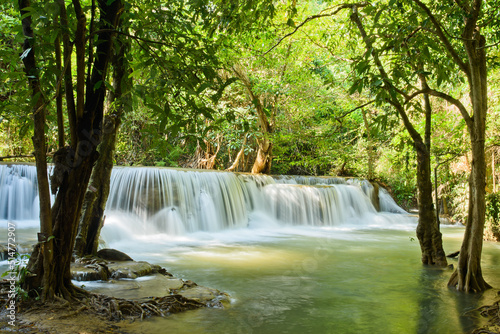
(428, 233)
(468, 276)
(72, 173)
(92, 220)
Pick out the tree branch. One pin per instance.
(313, 17)
(463, 5)
(353, 110)
(444, 96)
(441, 35)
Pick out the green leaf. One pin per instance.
(97, 85)
(156, 109)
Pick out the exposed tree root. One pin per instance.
(111, 308)
(118, 309)
(492, 312)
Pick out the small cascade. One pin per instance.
(178, 201)
(387, 203)
(159, 201)
(309, 180)
(320, 205)
(18, 193)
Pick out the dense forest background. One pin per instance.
(295, 86)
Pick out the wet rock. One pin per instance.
(130, 269)
(97, 269)
(208, 296)
(89, 272)
(139, 279)
(113, 255)
(156, 285)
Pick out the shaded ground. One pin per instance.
(59, 318)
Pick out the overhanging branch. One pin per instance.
(444, 96)
(313, 17)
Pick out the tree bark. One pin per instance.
(68, 80)
(59, 97)
(369, 147)
(92, 220)
(493, 177)
(428, 233)
(376, 196)
(263, 160)
(239, 156)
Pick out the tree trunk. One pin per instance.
(238, 159)
(369, 148)
(427, 230)
(72, 171)
(468, 276)
(45, 245)
(263, 160)
(97, 193)
(493, 178)
(376, 196)
(428, 233)
(87, 240)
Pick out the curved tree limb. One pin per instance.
(446, 42)
(313, 17)
(444, 96)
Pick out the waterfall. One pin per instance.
(18, 193)
(147, 200)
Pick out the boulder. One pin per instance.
(113, 255)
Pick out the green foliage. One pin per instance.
(20, 272)
(493, 216)
(493, 208)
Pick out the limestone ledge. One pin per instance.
(138, 280)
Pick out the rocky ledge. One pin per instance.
(115, 274)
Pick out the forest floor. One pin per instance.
(58, 318)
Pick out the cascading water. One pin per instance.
(148, 201)
(18, 193)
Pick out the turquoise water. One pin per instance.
(297, 255)
(314, 280)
